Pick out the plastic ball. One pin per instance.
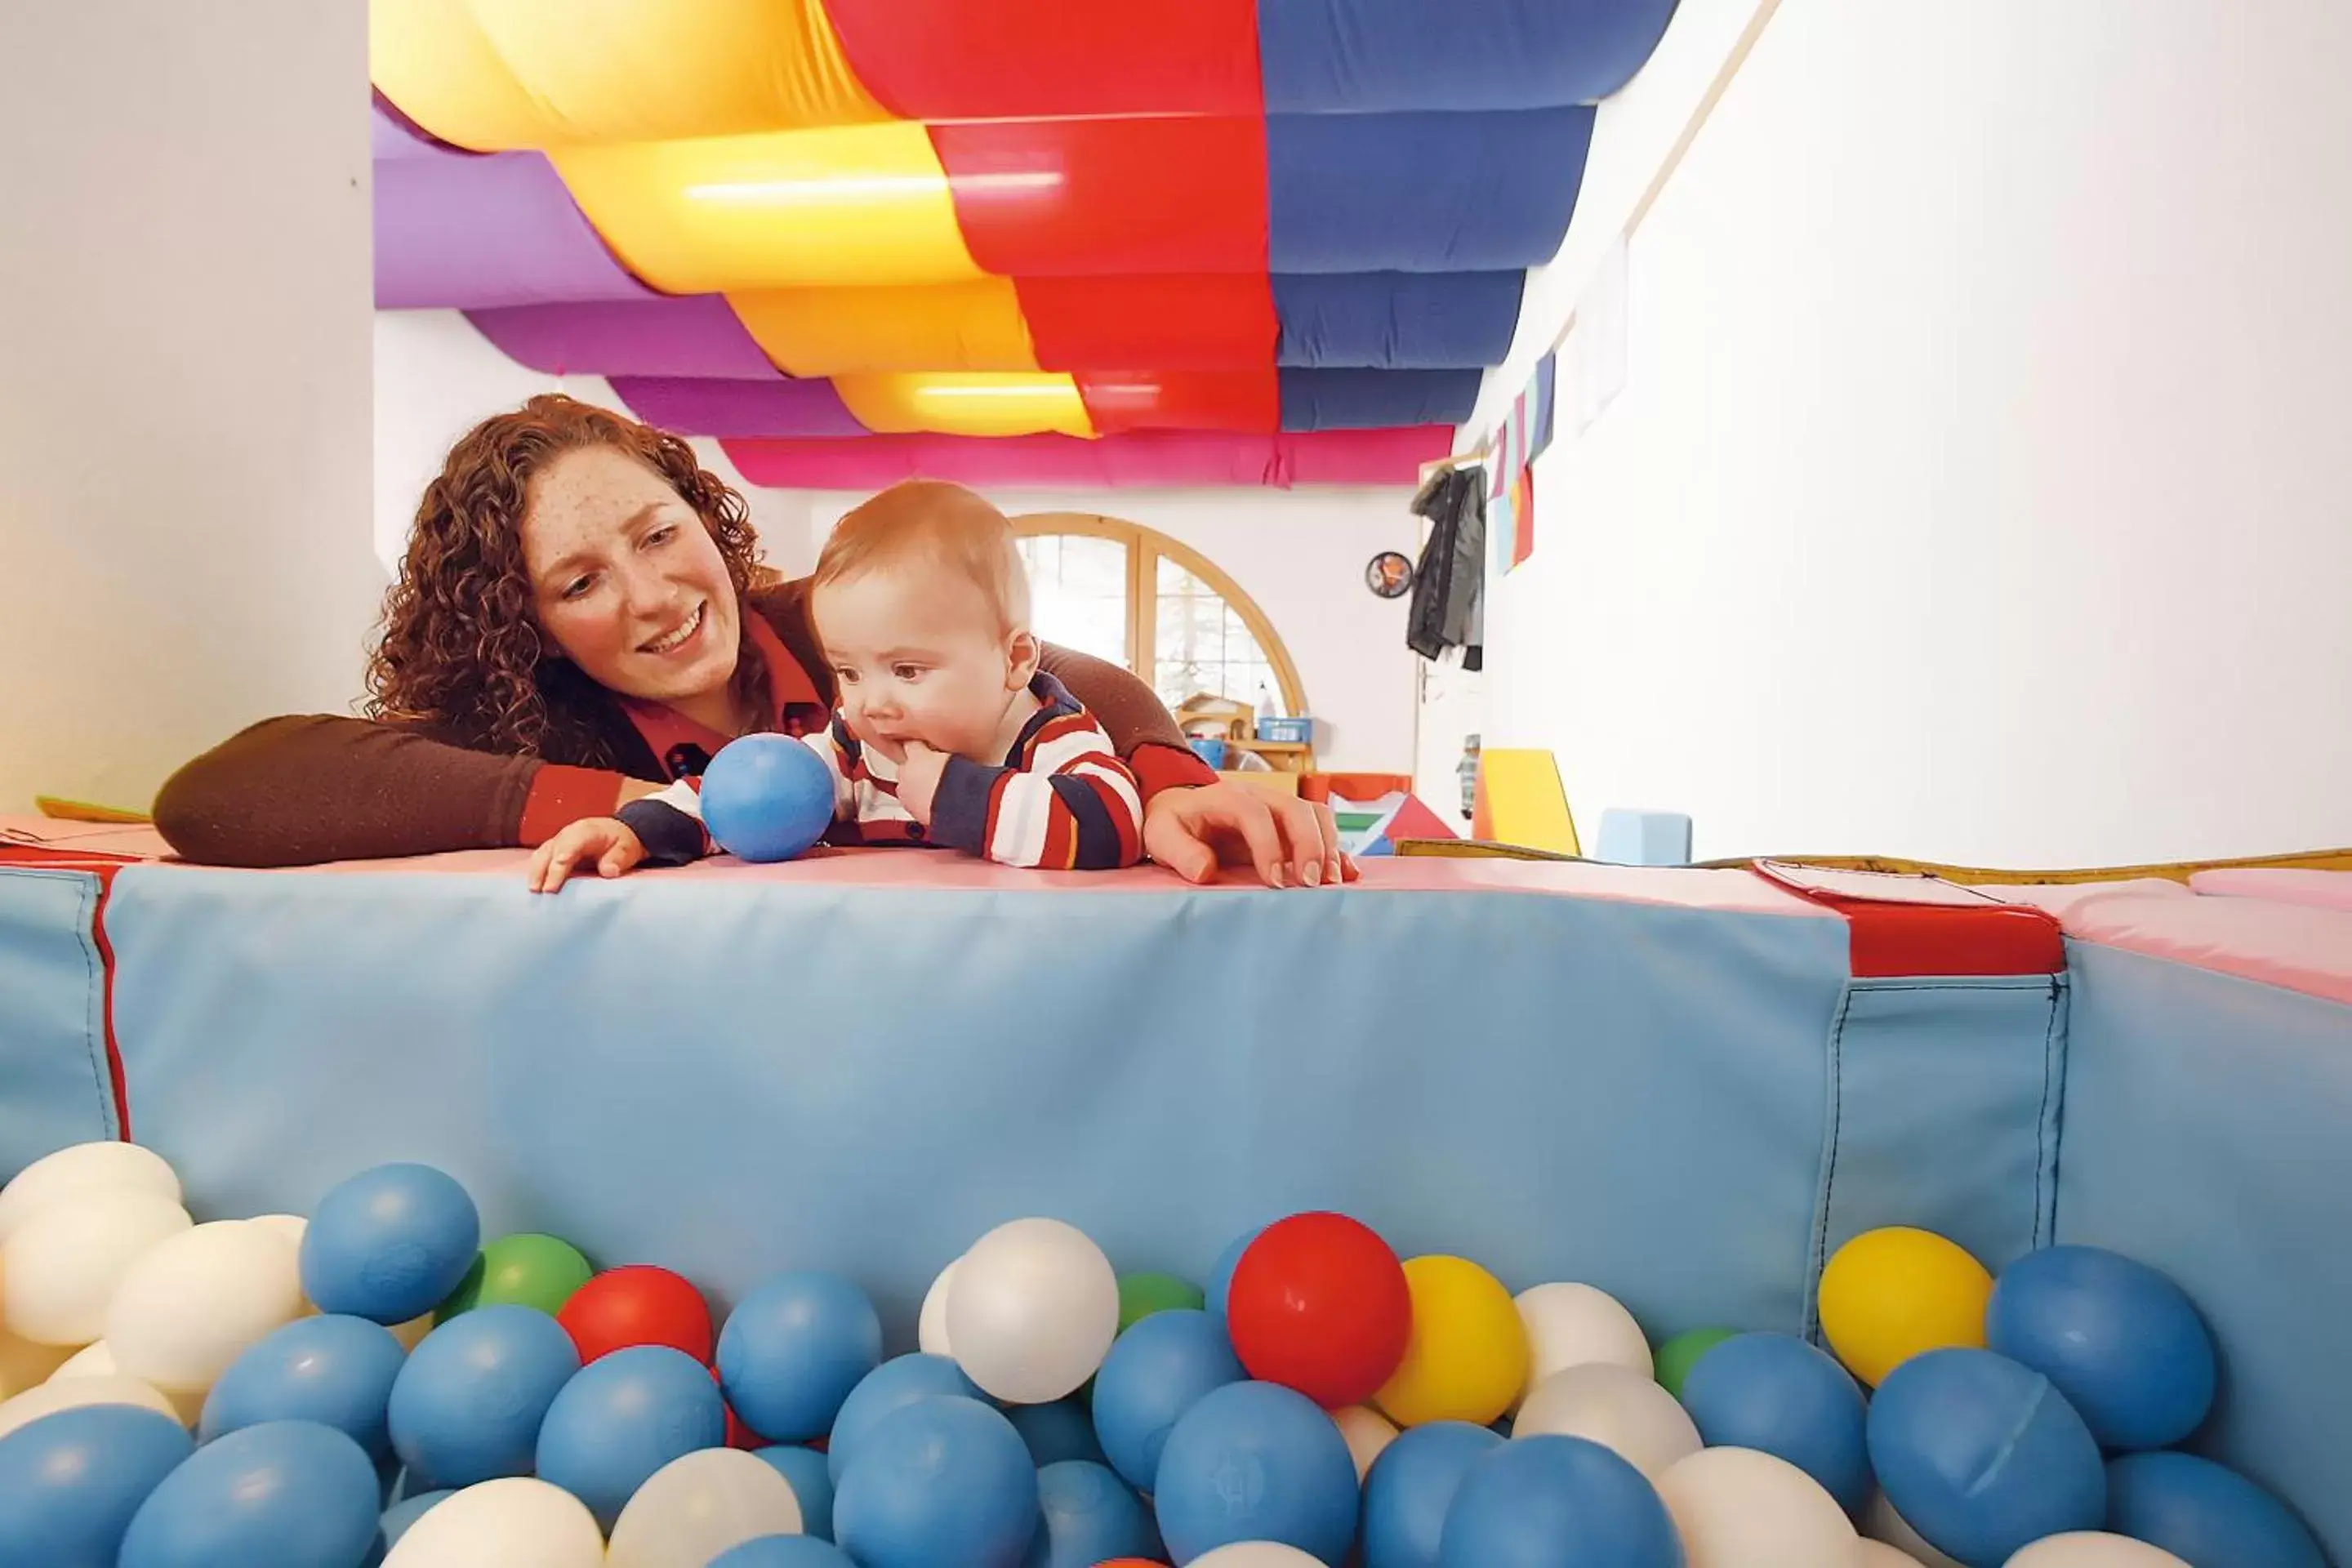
(1467, 1359)
(1556, 1502)
(1318, 1303)
(638, 1305)
(931, 1327)
(1881, 1524)
(942, 1480)
(1412, 1486)
(335, 1370)
(811, 1480)
(468, 1403)
(73, 1393)
(700, 1505)
(401, 1516)
(292, 1494)
(1032, 1311)
(1057, 1431)
(900, 1381)
(623, 1417)
(525, 1270)
(24, 1365)
(1892, 1294)
(1983, 1456)
(1297, 1484)
(1619, 1408)
(1368, 1433)
(1779, 1395)
(195, 1302)
(103, 1166)
(1220, 1273)
(1570, 1325)
(1090, 1515)
(1140, 1295)
(63, 1262)
(783, 1552)
(2093, 1548)
(71, 1483)
(767, 797)
(2121, 1340)
(513, 1522)
(2206, 1513)
(1155, 1372)
(1735, 1508)
(389, 1243)
(1675, 1358)
(793, 1350)
(1878, 1554)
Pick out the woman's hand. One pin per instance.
(604, 843)
(1195, 829)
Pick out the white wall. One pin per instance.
(184, 381)
(1979, 487)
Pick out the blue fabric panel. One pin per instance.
(1423, 192)
(1367, 55)
(55, 1088)
(1397, 321)
(2207, 1122)
(730, 1077)
(1944, 1098)
(1376, 399)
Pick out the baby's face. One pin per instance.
(919, 655)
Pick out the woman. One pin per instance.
(576, 625)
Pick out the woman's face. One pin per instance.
(628, 582)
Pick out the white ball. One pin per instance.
(68, 1394)
(84, 1168)
(1570, 1325)
(1615, 1407)
(59, 1269)
(1881, 1524)
(412, 1334)
(200, 1300)
(97, 1361)
(1257, 1554)
(2092, 1549)
(932, 1330)
(1032, 1310)
(516, 1522)
(24, 1365)
(700, 1505)
(1737, 1508)
(1878, 1554)
(1367, 1431)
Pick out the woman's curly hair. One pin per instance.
(462, 648)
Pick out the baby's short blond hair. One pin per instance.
(936, 523)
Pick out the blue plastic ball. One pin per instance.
(943, 1480)
(1780, 1395)
(1558, 1502)
(293, 1494)
(783, 1552)
(2122, 1341)
(406, 1513)
(468, 1405)
(812, 1483)
(1983, 1456)
(1256, 1461)
(1220, 1273)
(1155, 1371)
(1057, 1432)
(793, 1350)
(71, 1481)
(1412, 1485)
(2203, 1512)
(390, 1244)
(1091, 1516)
(621, 1417)
(899, 1381)
(336, 1370)
(767, 797)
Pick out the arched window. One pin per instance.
(1133, 595)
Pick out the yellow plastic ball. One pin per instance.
(1467, 1357)
(1891, 1294)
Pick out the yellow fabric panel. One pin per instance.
(499, 74)
(859, 205)
(966, 405)
(837, 331)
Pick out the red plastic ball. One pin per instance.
(1320, 1304)
(640, 1305)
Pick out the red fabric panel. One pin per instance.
(1183, 321)
(1238, 400)
(1892, 940)
(1146, 458)
(998, 60)
(1068, 197)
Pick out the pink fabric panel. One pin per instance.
(2320, 889)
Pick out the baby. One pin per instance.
(945, 730)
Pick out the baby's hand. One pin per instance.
(919, 780)
(606, 842)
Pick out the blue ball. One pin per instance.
(1091, 1516)
(1220, 1273)
(1412, 1485)
(621, 1417)
(71, 1483)
(2122, 1341)
(783, 1552)
(1780, 1395)
(390, 1244)
(468, 1403)
(335, 1370)
(1983, 1456)
(1296, 1482)
(767, 797)
(1155, 1371)
(2203, 1513)
(943, 1480)
(900, 1381)
(812, 1483)
(292, 1494)
(406, 1513)
(1062, 1430)
(1558, 1502)
(793, 1350)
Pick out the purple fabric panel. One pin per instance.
(689, 335)
(476, 231)
(692, 405)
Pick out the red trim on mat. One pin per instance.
(1891, 938)
(102, 867)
